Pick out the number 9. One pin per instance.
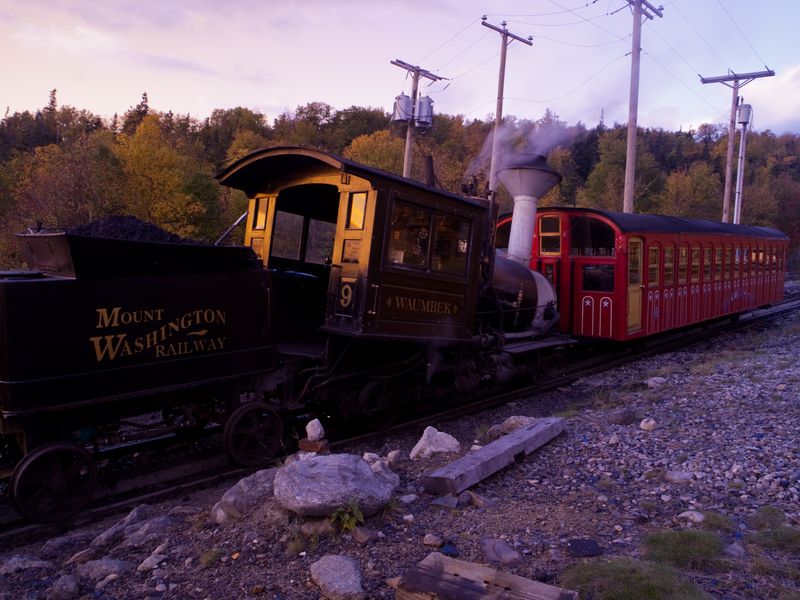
(345, 295)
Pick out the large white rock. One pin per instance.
(244, 496)
(323, 484)
(338, 577)
(433, 441)
(314, 431)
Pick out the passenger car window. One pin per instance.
(598, 278)
(652, 266)
(669, 266)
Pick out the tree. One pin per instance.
(379, 150)
(135, 115)
(160, 181)
(696, 193)
(68, 185)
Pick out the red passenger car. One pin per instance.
(624, 275)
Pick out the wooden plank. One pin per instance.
(439, 577)
(477, 466)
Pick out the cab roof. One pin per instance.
(250, 172)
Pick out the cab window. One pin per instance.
(425, 239)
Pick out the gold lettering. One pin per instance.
(104, 319)
(108, 345)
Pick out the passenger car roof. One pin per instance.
(638, 222)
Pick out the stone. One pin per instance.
(67, 544)
(364, 535)
(150, 563)
(433, 442)
(96, 570)
(408, 498)
(316, 447)
(693, 516)
(581, 547)
(323, 484)
(655, 382)
(493, 433)
(735, 550)
(338, 577)
(648, 424)
(65, 587)
(21, 562)
(314, 431)
(498, 551)
(446, 501)
(678, 476)
(154, 529)
(396, 458)
(243, 497)
(622, 416)
(116, 532)
(433, 540)
(514, 422)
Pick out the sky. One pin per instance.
(194, 56)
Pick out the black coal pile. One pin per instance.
(128, 228)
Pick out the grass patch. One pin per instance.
(767, 517)
(785, 539)
(567, 413)
(715, 521)
(209, 557)
(685, 549)
(704, 369)
(627, 579)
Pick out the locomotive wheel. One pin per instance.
(253, 434)
(53, 482)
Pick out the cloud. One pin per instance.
(774, 100)
(77, 40)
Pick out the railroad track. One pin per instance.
(203, 463)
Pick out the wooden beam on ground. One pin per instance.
(439, 577)
(477, 466)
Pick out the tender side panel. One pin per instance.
(77, 341)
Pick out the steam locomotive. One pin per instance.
(357, 295)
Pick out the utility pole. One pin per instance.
(498, 114)
(416, 73)
(744, 120)
(633, 104)
(739, 80)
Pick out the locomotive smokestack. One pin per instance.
(527, 177)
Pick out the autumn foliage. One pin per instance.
(61, 166)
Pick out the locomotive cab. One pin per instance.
(358, 252)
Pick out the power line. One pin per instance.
(716, 109)
(443, 65)
(591, 22)
(557, 41)
(710, 47)
(576, 88)
(763, 62)
(450, 39)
